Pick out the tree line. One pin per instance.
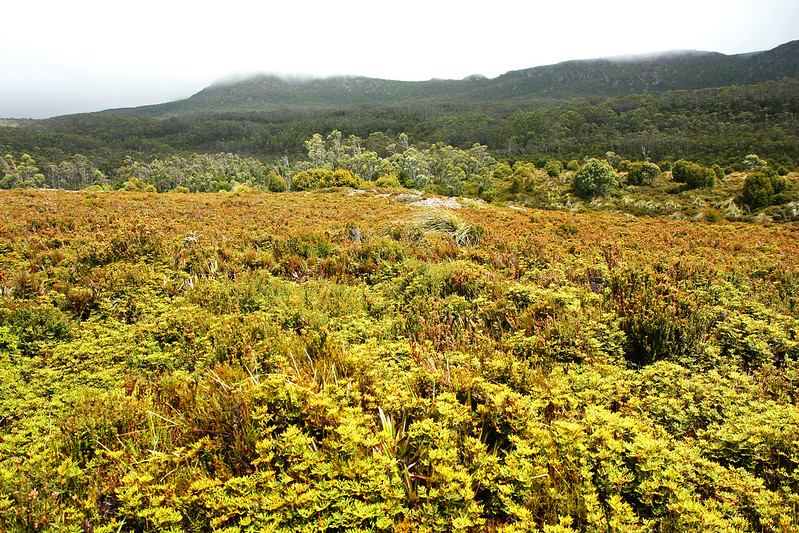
(394, 161)
(332, 160)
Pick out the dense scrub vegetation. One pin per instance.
(684, 189)
(329, 361)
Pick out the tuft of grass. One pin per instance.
(444, 221)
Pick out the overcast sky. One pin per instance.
(59, 56)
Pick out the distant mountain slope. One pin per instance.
(270, 93)
(534, 86)
(679, 70)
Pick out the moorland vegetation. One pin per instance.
(337, 360)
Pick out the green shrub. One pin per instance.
(344, 178)
(752, 162)
(778, 183)
(553, 167)
(703, 177)
(639, 173)
(317, 178)
(310, 179)
(390, 181)
(573, 165)
(693, 175)
(760, 188)
(679, 171)
(37, 327)
(138, 185)
(502, 171)
(489, 195)
(275, 183)
(595, 178)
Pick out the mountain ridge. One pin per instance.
(541, 85)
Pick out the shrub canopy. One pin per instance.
(595, 178)
(693, 175)
(639, 173)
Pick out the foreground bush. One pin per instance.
(639, 172)
(693, 175)
(595, 178)
(275, 183)
(389, 181)
(761, 188)
(320, 178)
(553, 168)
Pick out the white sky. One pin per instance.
(69, 56)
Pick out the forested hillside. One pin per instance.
(710, 125)
(567, 111)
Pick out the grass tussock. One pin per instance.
(446, 222)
